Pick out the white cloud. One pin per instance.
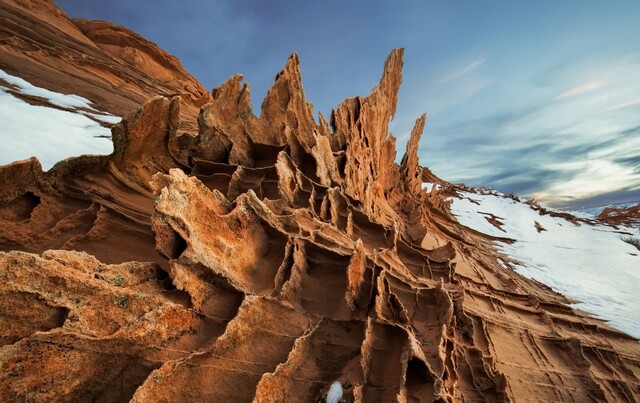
(454, 87)
(622, 105)
(461, 72)
(590, 178)
(522, 139)
(579, 90)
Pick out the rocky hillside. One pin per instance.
(220, 256)
(113, 67)
(614, 215)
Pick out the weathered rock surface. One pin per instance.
(113, 67)
(629, 216)
(263, 258)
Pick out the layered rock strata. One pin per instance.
(112, 66)
(264, 258)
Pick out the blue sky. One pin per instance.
(539, 98)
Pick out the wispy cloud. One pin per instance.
(572, 139)
(592, 178)
(454, 87)
(579, 90)
(622, 105)
(451, 88)
(460, 72)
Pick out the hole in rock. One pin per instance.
(417, 374)
(7, 245)
(418, 263)
(384, 376)
(164, 279)
(372, 234)
(270, 248)
(20, 208)
(60, 316)
(260, 180)
(25, 313)
(220, 182)
(120, 377)
(270, 189)
(205, 167)
(170, 291)
(323, 283)
(375, 272)
(308, 167)
(265, 155)
(341, 161)
(178, 247)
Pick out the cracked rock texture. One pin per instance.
(264, 258)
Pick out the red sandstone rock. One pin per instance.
(110, 65)
(629, 216)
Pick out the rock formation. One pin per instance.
(264, 258)
(110, 65)
(629, 216)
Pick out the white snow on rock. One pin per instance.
(106, 117)
(49, 134)
(428, 186)
(587, 263)
(62, 100)
(595, 211)
(335, 393)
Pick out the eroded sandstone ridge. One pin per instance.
(267, 257)
(112, 66)
(263, 258)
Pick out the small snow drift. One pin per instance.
(335, 393)
(61, 100)
(51, 134)
(588, 263)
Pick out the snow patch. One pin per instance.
(70, 102)
(106, 117)
(47, 133)
(62, 100)
(587, 263)
(428, 186)
(595, 211)
(335, 393)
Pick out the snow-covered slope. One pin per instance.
(70, 127)
(588, 263)
(594, 211)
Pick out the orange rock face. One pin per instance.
(110, 65)
(264, 258)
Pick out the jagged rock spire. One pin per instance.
(265, 258)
